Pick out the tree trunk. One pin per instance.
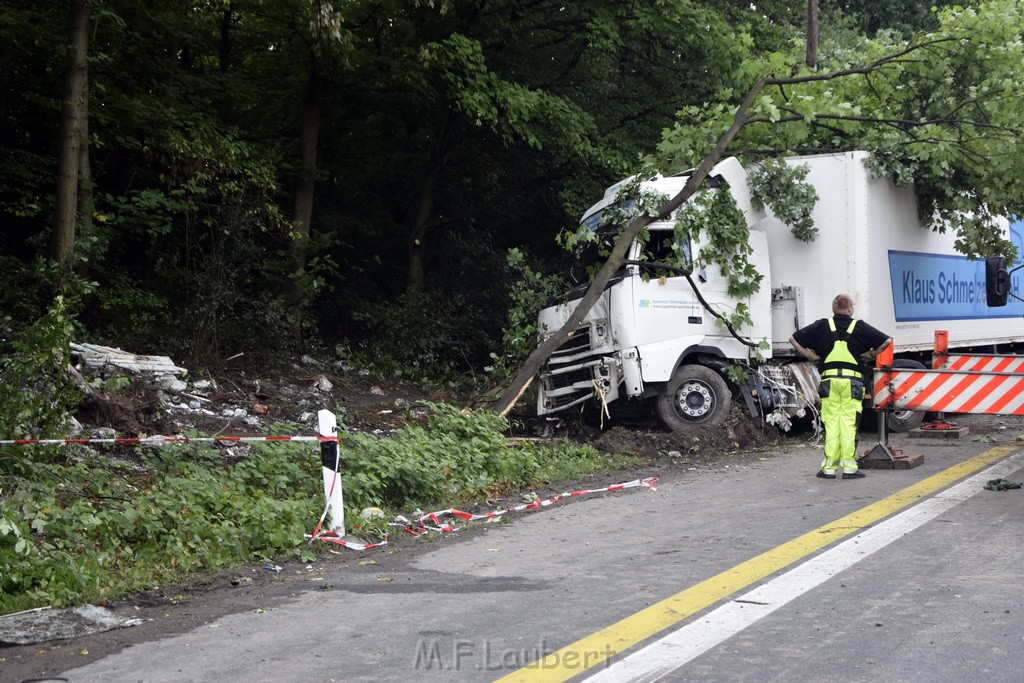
(73, 112)
(224, 49)
(85, 204)
(6, 79)
(617, 258)
(812, 34)
(305, 187)
(418, 233)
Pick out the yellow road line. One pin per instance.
(599, 646)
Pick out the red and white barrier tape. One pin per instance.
(332, 537)
(438, 525)
(320, 534)
(159, 440)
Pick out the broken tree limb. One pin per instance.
(617, 257)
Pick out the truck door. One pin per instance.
(665, 307)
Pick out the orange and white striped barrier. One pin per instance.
(950, 391)
(974, 362)
(987, 384)
(990, 362)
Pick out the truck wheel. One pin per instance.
(696, 396)
(904, 420)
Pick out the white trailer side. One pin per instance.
(906, 278)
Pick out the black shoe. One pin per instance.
(825, 475)
(853, 475)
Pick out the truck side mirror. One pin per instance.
(997, 281)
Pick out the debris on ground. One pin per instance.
(44, 624)
(137, 395)
(97, 356)
(1002, 485)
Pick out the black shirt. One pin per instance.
(818, 337)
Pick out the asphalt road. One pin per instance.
(907, 575)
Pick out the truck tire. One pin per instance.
(901, 421)
(696, 396)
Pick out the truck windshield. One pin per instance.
(590, 256)
(662, 246)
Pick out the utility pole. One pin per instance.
(812, 34)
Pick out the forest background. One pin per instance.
(382, 180)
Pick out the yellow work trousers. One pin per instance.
(840, 413)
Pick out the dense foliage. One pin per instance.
(443, 135)
(258, 175)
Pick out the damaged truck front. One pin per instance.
(652, 339)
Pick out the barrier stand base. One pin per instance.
(882, 457)
(926, 432)
(346, 541)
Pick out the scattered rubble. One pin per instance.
(162, 397)
(97, 356)
(44, 624)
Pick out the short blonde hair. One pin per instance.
(842, 303)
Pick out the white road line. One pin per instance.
(672, 651)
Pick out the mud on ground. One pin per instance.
(652, 441)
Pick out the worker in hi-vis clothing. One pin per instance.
(837, 343)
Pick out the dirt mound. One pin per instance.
(241, 403)
(133, 410)
(737, 433)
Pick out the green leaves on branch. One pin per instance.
(713, 219)
(939, 111)
(37, 394)
(513, 111)
(775, 184)
(530, 292)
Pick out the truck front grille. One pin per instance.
(576, 345)
(570, 374)
(565, 388)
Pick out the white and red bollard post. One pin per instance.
(330, 459)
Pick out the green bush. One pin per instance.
(83, 532)
(529, 294)
(36, 392)
(423, 465)
(419, 337)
